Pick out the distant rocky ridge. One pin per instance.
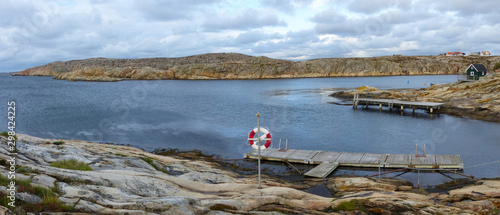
(240, 66)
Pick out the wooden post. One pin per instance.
(354, 102)
(380, 106)
(431, 110)
(258, 140)
(413, 110)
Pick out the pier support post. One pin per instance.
(380, 106)
(401, 107)
(413, 110)
(431, 110)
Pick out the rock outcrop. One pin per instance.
(239, 66)
(125, 180)
(476, 99)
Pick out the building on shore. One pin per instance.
(455, 54)
(475, 71)
(485, 53)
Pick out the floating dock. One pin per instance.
(394, 103)
(329, 160)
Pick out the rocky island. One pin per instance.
(475, 99)
(112, 179)
(240, 66)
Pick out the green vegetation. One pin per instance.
(352, 205)
(497, 66)
(153, 164)
(121, 155)
(50, 201)
(5, 134)
(222, 207)
(22, 169)
(71, 164)
(58, 142)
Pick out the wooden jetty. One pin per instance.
(394, 103)
(330, 160)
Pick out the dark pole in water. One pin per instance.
(258, 141)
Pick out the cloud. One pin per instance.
(249, 19)
(170, 10)
(254, 36)
(373, 6)
(39, 32)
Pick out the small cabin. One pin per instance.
(476, 70)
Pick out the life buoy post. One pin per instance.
(253, 139)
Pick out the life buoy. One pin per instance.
(265, 136)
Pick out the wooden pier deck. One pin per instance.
(394, 103)
(356, 159)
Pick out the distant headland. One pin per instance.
(240, 66)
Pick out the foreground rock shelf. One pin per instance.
(126, 180)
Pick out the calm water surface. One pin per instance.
(215, 116)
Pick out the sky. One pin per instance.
(35, 33)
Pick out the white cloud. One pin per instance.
(38, 32)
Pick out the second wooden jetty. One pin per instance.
(394, 103)
(356, 159)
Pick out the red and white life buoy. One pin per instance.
(254, 140)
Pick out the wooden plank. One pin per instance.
(349, 158)
(449, 161)
(428, 161)
(301, 156)
(324, 156)
(360, 159)
(271, 154)
(322, 170)
(398, 160)
(372, 160)
(395, 102)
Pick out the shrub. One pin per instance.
(152, 163)
(497, 66)
(71, 164)
(58, 143)
(5, 134)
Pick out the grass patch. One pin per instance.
(352, 205)
(153, 164)
(23, 169)
(58, 142)
(222, 207)
(71, 164)
(50, 203)
(5, 134)
(121, 155)
(50, 200)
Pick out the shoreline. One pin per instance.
(478, 100)
(105, 79)
(124, 179)
(233, 66)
